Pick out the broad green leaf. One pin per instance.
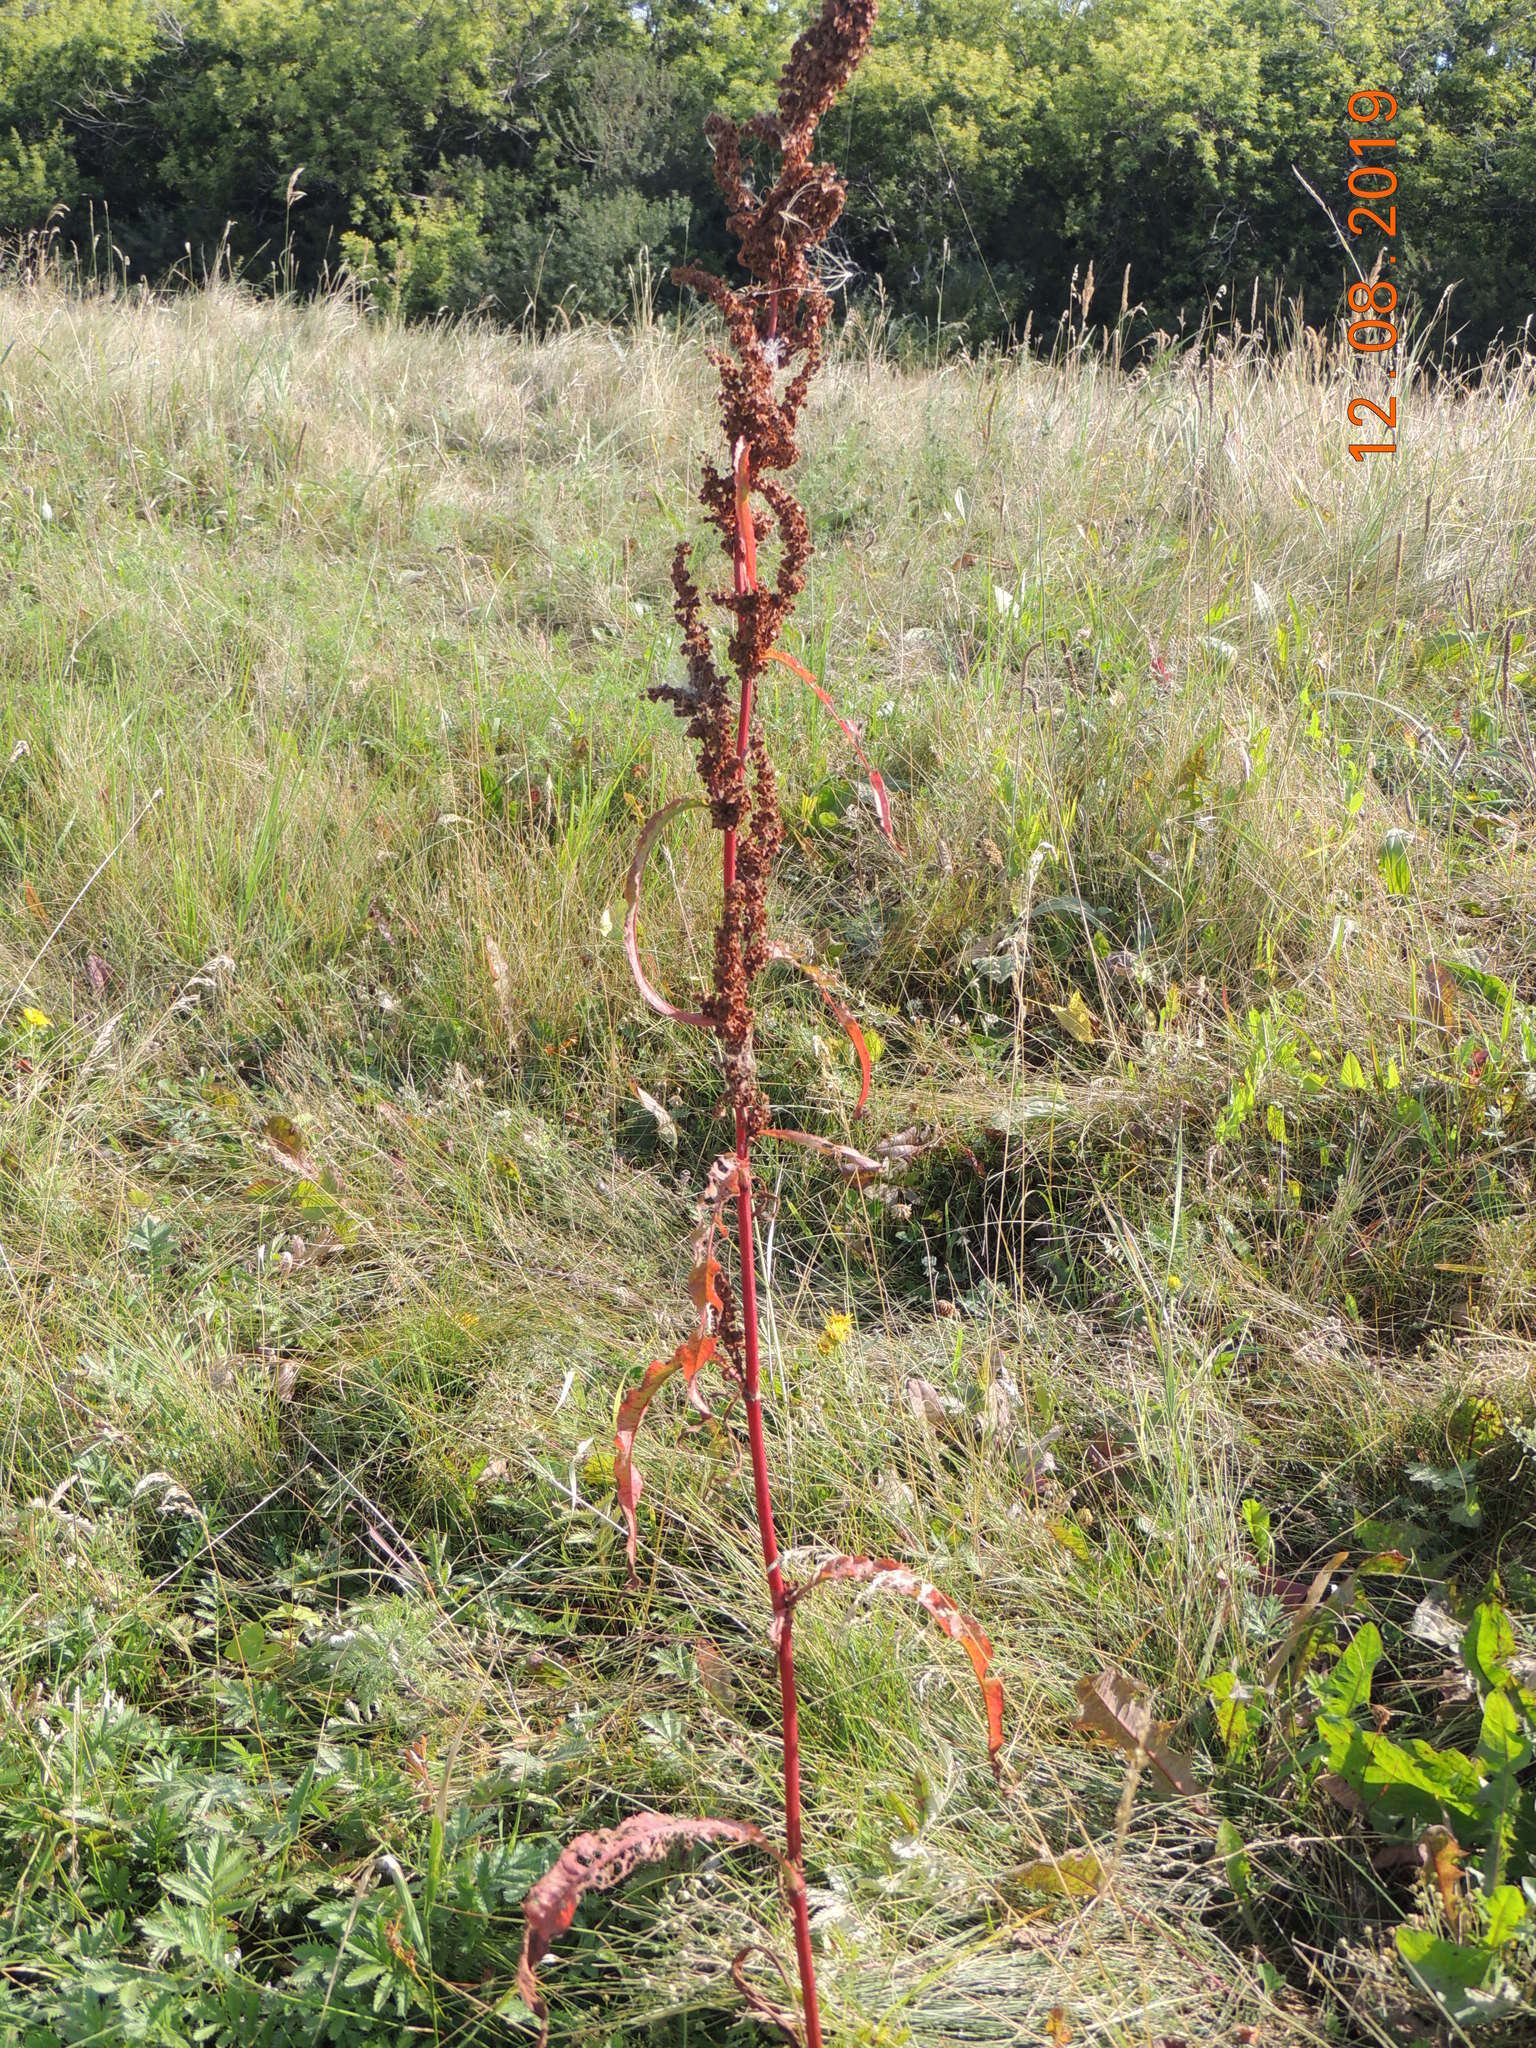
(1468, 1512)
(1075, 1018)
(1503, 1751)
(1486, 984)
(252, 1647)
(1256, 1522)
(1235, 1707)
(1347, 1687)
(1234, 1854)
(1392, 865)
(1475, 1427)
(1488, 1646)
(1077, 1875)
(1416, 1781)
(1456, 1975)
(1351, 1073)
(1506, 1910)
(1385, 1533)
(1070, 1536)
(1383, 1564)
(1500, 1744)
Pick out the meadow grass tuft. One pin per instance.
(330, 1221)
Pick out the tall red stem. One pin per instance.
(745, 567)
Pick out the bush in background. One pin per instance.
(517, 155)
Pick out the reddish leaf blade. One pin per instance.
(598, 1862)
(690, 1355)
(850, 733)
(885, 1575)
(1111, 1709)
(840, 1011)
(650, 832)
(693, 1353)
(757, 2001)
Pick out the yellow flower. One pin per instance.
(835, 1332)
(35, 1020)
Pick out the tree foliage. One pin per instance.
(519, 155)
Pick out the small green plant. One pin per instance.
(1472, 1812)
(1436, 1775)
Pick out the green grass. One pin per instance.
(325, 644)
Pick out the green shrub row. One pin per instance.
(517, 154)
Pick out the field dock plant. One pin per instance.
(1186, 1339)
(776, 330)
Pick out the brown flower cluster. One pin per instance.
(781, 206)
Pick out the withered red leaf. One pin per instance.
(885, 1575)
(850, 733)
(1440, 996)
(1111, 1709)
(598, 1862)
(839, 1009)
(694, 1352)
(757, 2001)
(853, 1164)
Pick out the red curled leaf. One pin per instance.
(884, 1575)
(689, 1356)
(850, 733)
(598, 1862)
(653, 827)
(840, 1011)
(704, 1287)
(757, 2001)
(694, 1352)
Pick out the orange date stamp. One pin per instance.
(1372, 329)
